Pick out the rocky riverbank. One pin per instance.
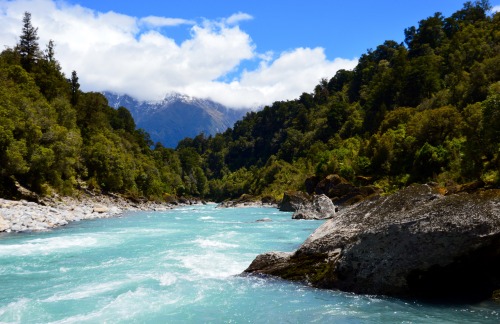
(248, 201)
(50, 212)
(417, 242)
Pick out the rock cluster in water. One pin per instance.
(248, 201)
(416, 242)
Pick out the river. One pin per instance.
(183, 266)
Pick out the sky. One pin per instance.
(241, 53)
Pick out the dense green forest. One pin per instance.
(55, 138)
(424, 110)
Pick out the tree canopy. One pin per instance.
(424, 110)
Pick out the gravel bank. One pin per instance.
(20, 216)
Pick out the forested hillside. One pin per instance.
(424, 110)
(55, 138)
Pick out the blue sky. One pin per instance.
(344, 28)
(240, 53)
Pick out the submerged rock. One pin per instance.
(412, 243)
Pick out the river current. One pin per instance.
(183, 266)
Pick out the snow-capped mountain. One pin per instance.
(177, 116)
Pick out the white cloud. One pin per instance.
(116, 52)
(495, 9)
(236, 18)
(285, 78)
(155, 21)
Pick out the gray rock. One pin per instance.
(100, 209)
(413, 243)
(272, 261)
(17, 228)
(321, 207)
(293, 200)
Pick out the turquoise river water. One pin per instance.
(183, 266)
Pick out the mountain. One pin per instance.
(177, 116)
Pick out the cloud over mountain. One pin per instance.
(138, 55)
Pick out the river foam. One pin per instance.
(44, 246)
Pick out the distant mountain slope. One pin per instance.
(177, 116)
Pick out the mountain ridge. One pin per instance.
(177, 116)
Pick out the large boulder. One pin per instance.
(320, 207)
(293, 200)
(341, 191)
(413, 243)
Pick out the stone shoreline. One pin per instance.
(415, 243)
(23, 215)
